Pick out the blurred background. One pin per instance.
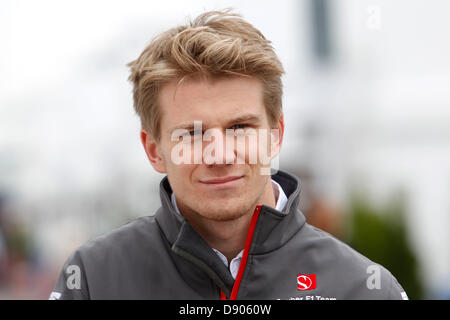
(367, 114)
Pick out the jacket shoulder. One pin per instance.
(356, 275)
(129, 234)
(104, 256)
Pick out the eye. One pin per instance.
(239, 126)
(195, 132)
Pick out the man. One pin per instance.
(209, 98)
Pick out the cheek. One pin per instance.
(181, 175)
(246, 148)
(258, 148)
(179, 172)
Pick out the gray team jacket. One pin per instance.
(163, 257)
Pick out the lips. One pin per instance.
(227, 183)
(220, 180)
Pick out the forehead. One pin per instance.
(213, 101)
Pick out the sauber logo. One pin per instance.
(306, 282)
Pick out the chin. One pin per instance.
(223, 212)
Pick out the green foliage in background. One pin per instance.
(380, 234)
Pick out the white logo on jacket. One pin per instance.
(54, 296)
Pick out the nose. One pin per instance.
(219, 149)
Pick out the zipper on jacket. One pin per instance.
(248, 242)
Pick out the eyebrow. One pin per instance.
(248, 118)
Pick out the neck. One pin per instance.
(229, 236)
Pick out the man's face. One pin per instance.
(217, 190)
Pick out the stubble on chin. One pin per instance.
(222, 212)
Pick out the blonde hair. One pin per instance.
(216, 43)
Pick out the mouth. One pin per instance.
(223, 182)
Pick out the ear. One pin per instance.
(152, 149)
(276, 136)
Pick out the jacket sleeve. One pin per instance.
(72, 283)
(396, 291)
